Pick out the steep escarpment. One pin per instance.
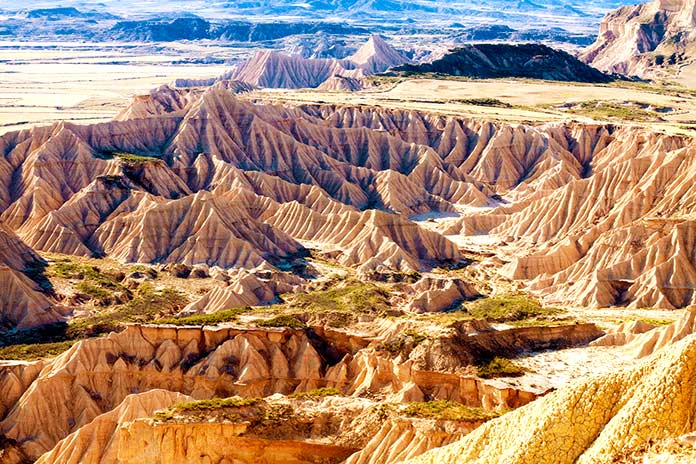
(596, 420)
(310, 429)
(648, 40)
(69, 395)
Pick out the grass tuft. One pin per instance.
(499, 367)
(448, 410)
(315, 394)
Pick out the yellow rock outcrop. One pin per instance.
(595, 420)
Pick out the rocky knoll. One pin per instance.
(598, 420)
(645, 40)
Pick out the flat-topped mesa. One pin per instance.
(648, 40)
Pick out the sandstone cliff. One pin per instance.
(596, 420)
(51, 400)
(645, 40)
(99, 441)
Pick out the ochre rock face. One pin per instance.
(142, 441)
(47, 401)
(589, 421)
(99, 440)
(23, 303)
(639, 40)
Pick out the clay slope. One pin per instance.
(621, 234)
(645, 40)
(274, 70)
(535, 61)
(341, 84)
(156, 206)
(597, 420)
(376, 56)
(271, 69)
(23, 303)
(173, 100)
(99, 440)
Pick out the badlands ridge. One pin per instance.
(588, 215)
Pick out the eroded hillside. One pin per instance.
(329, 283)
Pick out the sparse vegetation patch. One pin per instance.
(448, 410)
(499, 367)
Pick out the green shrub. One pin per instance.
(318, 393)
(282, 321)
(482, 102)
(448, 410)
(507, 308)
(133, 159)
(216, 403)
(354, 297)
(35, 351)
(499, 367)
(219, 317)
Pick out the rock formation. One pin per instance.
(23, 303)
(275, 70)
(98, 441)
(595, 215)
(486, 61)
(376, 56)
(48, 401)
(645, 40)
(341, 84)
(593, 420)
(272, 69)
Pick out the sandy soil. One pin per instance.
(528, 98)
(44, 83)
